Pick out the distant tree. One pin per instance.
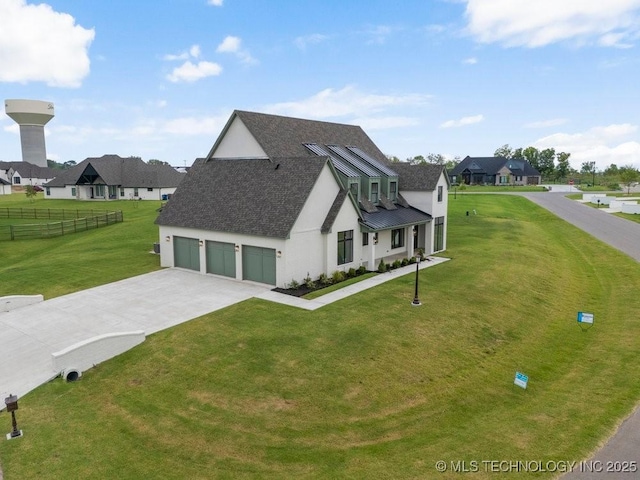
(451, 164)
(69, 164)
(393, 159)
(563, 167)
(629, 176)
(436, 158)
(589, 167)
(504, 151)
(532, 155)
(155, 161)
(30, 192)
(546, 164)
(517, 154)
(418, 159)
(612, 170)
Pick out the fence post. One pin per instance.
(11, 230)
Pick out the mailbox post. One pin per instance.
(12, 405)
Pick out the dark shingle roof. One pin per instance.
(124, 172)
(29, 170)
(401, 217)
(246, 196)
(420, 177)
(284, 136)
(492, 165)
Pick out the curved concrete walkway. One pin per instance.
(624, 445)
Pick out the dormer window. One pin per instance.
(374, 193)
(353, 187)
(393, 191)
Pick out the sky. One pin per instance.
(159, 79)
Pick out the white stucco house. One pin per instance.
(279, 199)
(5, 187)
(25, 173)
(112, 177)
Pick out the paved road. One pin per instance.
(624, 235)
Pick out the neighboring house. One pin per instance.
(25, 173)
(5, 187)
(111, 177)
(494, 171)
(280, 199)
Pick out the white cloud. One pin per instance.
(616, 143)
(195, 126)
(384, 123)
(194, 51)
(42, 45)
(215, 3)
(313, 39)
(470, 61)
(462, 122)
(190, 72)
(233, 45)
(542, 22)
(330, 103)
(554, 122)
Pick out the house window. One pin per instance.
(393, 191)
(135, 192)
(149, 189)
(374, 192)
(365, 239)
(438, 234)
(504, 179)
(353, 187)
(73, 191)
(397, 238)
(48, 191)
(440, 193)
(122, 192)
(112, 191)
(345, 247)
(99, 190)
(16, 180)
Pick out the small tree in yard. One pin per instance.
(628, 176)
(30, 192)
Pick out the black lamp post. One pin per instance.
(12, 405)
(416, 300)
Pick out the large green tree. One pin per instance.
(563, 167)
(629, 176)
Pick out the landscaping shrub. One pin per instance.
(293, 284)
(310, 284)
(337, 276)
(412, 260)
(324, 280)
(382, 267)
(361, 270)
(351, 273)
(396, 264)
(404, 262)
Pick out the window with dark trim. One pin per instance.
(365, 239)
(16, 180)
(354, 190)
(393, 191)
(149, 189)
(345, 247)
(438, 234)
(397, 238)
(374, 193)
(440, 193)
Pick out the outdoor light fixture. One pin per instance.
(12, 405)
(167, 238)
(416, 300)
(279, 253)
(201, 243)
(237, 248)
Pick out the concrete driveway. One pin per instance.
(150, 302)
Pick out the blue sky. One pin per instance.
(159, 79)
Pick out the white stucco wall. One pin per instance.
(238, 143)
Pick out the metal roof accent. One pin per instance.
(372, 161)
(387, 219)
(338, 163)
(355, 161)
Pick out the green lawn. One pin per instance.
(61, 265)
(368, 387)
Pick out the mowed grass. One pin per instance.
(61, 265)
(368, 387)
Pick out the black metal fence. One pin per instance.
(72, 221)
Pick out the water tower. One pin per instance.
(32, 116)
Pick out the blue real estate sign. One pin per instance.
(521, 380)
(584, 317)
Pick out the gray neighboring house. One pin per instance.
(494, 171)
(112, 177)
(5, 187)
(278, 199)
(25, 173)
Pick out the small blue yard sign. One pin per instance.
(521, 380)
(584, 317)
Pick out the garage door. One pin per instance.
(186, 253)
(221, 258)
(259, 264)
